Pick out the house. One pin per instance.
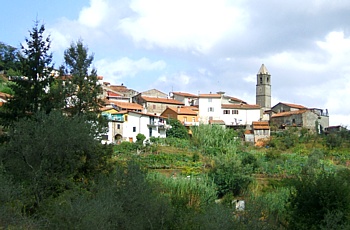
(311, 119)
(125, 125)
(154, 93)
(156, 105)
(232, 111)
(209, 107)
(186, 98)
(187, 115)
(118, 92)
(286, 107)
(121, 106)
(240, 114)
(335, 129)
(261, 130)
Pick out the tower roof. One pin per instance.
(263, 70)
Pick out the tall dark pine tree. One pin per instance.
(82, 89)
(31, 91)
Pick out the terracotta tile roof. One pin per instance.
(113, 94)
(127, 105)
(162, 100)
(183, 111)
(216, 122)
(289, 113)
(296, 106)
(237, 99)
(210, 95)
(194, 108)
(185, 94)
(261, 125)
(119, 88)
(248, 131)
(239, 106)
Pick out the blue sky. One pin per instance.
(204, 45)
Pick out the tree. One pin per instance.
(9, 59)
(320, 200)
(81, 87)
(32, 90)
(51, 153)
(177, 129)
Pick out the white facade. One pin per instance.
(135, 123)
(209, 108)
(237, 116)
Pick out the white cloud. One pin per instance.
(195, 24)
(95, 14)
(250, 79)
(126, 67)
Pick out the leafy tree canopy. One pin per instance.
(177, 129)
(81, 84)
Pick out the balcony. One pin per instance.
(187, 123)
(155, 123)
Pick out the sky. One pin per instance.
(203, 46)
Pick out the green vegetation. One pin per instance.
(56, 174)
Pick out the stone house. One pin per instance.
(311, 119)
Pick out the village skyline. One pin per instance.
(204, 46)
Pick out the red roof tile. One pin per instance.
(113, 94)
(185, 94)
(127, 105)
(289, 113)
(210, 95)
(296, 106)
(261, 125)
(183, 111)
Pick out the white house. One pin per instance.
(125, 125)
(209, 107)
(186, 98)
(228, 110)
(240, 114)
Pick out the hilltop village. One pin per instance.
(130, 112)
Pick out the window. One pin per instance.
(134, 129)
(234, 111)
(211, 109)
(226, 111)
(210, 118)
(154, 106)
(210, 99)
(185, 119)
(118, 126)
(105, 137)
(193, 119)
(261, 81)
(126, 118)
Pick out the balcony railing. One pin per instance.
(188, 123)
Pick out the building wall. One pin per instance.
(205, 114)
(186, 100)
(261, 134)
(244, 116)
(154, 93)
(263, 91)
(158, 108)
(310, 118)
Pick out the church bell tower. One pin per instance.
(263, 88)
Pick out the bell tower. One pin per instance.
(263, 88)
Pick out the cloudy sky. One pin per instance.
(202, 46)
